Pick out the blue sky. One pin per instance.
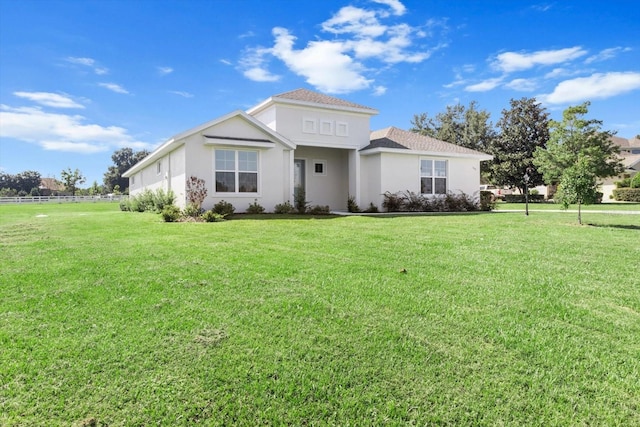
(81, 79)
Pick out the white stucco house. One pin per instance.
(310, 140)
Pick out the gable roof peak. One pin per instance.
(306, 97)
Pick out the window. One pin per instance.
(319, 167)
(433, 176)
(159, 167)
(132, 180)
(236, 171)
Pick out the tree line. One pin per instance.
(529, 149)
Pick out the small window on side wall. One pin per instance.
(319, 167)
(159, 167)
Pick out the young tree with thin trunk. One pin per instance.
(71, 179)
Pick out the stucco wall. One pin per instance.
(332, 187)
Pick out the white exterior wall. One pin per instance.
(331, 188)
(370, 181)
(464, 176)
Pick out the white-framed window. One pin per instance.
(236, 171)
(319, 167)
(342, 129)
(132, 180)
(433, 176)
(309, 125)
(326, 127)
(158, 167)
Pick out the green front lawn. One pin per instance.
(486, 319)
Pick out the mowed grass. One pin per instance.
(487, 319)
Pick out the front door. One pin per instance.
(298, 175)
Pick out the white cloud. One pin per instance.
(323, 63)
(114, 87)
(522, 85)
(596, 86)
(485, 85)
(379, 90)
(513, 61)
(606, 54)
(88, 62)
(181, 93)
(62, 132)
(359, 42)
(165, 70)
(226, 62)
(49, 99)
(398, 8)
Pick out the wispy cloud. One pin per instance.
(163, 71)
(484, 86)
(226, 62)
(62, 132)
(596, 86)
(114, 87)
(522, 85)
(345, 62)
(517, 61)
(606, 54)
(379, 90)
(49, 99)
(181, 93)
(88, 62)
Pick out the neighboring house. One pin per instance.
(304, 139)
(630, 158)
(49, 186)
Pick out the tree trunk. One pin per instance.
(579, 212)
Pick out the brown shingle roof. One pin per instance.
(393, 137)
(306, 95)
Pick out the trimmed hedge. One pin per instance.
(627, 194)
(519, 198)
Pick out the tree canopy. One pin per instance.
(71, 179)
(123, 160)
(21, 182)
(577, 154)
(522, 129)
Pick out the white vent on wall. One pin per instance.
(342, 129)
(309, 126)
(326, 127)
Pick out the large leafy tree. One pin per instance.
(522, 129)
(21, 182)
(460, 125)
(577, 154)
(71, 179)
(123, 160)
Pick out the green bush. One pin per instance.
(255, 208)
(408, 201)
(519, 198)
(371, 209)
(392, 202)
(193, 211)
(125, 205)
(300, 202)
(161, 199)
(319, 210)
(224, 208)
(352, 206)
(283, 208)
(627, 194)
(212, 216)
(635, 181)
(487, 201)
(170, 213)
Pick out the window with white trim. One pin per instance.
(319, 167)
(158, 167)
(433, 176)
(236, 171)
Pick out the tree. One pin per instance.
(71, 179)
(522, 129)
(123, 160)
(467, 127)
(23, 182)
(577, 154)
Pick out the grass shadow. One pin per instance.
(621, 226)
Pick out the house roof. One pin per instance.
(178, 139)
(625, 143)
(310, 98)
(631, 162)
(51, 184)
(398, 139)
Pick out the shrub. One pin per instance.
(125, 205)
(487, 201)
(211, 216)
(412, 202)
(22, 193)
(8, 192)
(352, 206)
(283, 208)
(34, 192)
(224, 208)
(162, 199)
(392, 202)
(196, 191)
(371, 209)
(193, 211)
(170, 213)
(635, 181)
(319, 210)
(300, 202)
(255, 208)
(519, 198)
(627, 194)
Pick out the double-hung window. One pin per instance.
(236, 171)
(433, 176)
